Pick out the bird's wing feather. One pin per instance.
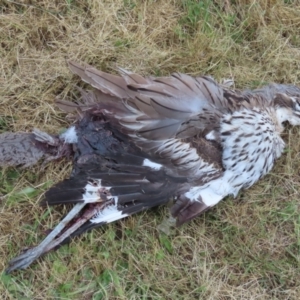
(159, 104)
(156, 113)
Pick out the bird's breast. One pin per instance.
(251, 143)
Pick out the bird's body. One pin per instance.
(140, 141)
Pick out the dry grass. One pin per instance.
(247, 248)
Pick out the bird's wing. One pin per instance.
(111, 171)
(162, 107)
(159, 115)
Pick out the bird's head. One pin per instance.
(287, 109)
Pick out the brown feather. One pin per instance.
(184, 210)
(157, 109)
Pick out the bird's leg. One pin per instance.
(24, 260)
(87, 215)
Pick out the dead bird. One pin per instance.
(138, 141)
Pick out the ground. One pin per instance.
(245, 248)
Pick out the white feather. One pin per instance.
(211, 136)
(108, 214)
(92, 192)
(211, 193)
(151, 164)
(70, 135)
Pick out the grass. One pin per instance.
(247, 248)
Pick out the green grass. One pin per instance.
(246, 248)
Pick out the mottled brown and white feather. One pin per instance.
(156, 111)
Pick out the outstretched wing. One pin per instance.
(160, 108)
(159, 115)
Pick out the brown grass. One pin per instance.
(248, 248)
